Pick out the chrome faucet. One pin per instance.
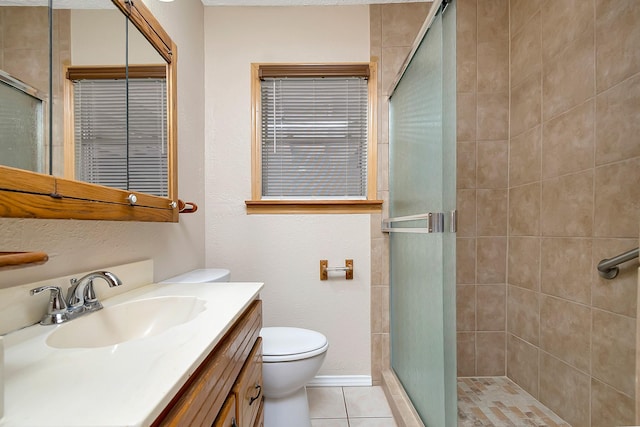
(81, 295)
(81, 298)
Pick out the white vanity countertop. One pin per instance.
(128, 384)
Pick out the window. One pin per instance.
(314, 147)
(117, 143)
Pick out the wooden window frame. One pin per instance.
(257, 205)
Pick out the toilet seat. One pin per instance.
(284, 344)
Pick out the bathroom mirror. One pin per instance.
(132, 145)
(24, 86)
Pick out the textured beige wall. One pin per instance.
(84, 245)
(393, 28)
(88, 27)
(283, 251)
(574, 166)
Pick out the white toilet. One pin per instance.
(291, 358)
(203, 275)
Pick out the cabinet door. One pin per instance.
(227, 415)
(260, 418)
(248, 387)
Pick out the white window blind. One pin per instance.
(104, 154)
(314, 137)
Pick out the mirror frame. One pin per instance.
(25, 194)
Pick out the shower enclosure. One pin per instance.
(21, 119)
(422, 170)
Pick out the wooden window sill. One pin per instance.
(313, 206)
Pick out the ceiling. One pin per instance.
(106, 4)
(300, 2)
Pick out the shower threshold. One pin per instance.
(499, 402)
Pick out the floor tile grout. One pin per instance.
(354, 416)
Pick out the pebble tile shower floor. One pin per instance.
(499, 402)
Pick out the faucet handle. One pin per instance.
(78, 296)
(75, 298)
(91, 302)
(57, 308)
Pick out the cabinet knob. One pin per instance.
(132, 199)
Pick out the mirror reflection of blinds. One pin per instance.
(314, 138)
(101, 134)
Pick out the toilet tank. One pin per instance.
(203, 275)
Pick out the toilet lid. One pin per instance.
(280, 344)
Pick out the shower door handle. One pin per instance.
(435, 223)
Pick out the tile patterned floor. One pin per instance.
(349, 407)
(482, 402)
(499, 402)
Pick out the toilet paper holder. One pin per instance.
(347, 269)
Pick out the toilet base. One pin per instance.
(290, 411)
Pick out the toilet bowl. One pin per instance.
(291, 357)
(203, 275)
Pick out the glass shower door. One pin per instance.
(422, 249)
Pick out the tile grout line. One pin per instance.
(344, 402)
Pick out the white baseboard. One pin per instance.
(340, 381)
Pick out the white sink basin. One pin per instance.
(125, 322)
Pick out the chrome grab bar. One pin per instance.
(608, 267)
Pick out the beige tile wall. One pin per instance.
(548, 119)
(482, 181)
(574, 165)
(393, 29)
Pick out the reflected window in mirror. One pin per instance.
(113, 142)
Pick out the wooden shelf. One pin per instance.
(10, 260)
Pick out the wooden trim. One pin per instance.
(108, 72)
(9, 260)
(68, 131)
(25, 205)
(258, 206)
(314, 70)
(313, 206)
(256, 134)
(149, 26)
(97, 193)
(23, 181)
(172, 125)
(25, 194)
(372, 136)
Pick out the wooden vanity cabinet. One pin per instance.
(226, 389)
(227, 415)
(248, 388)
